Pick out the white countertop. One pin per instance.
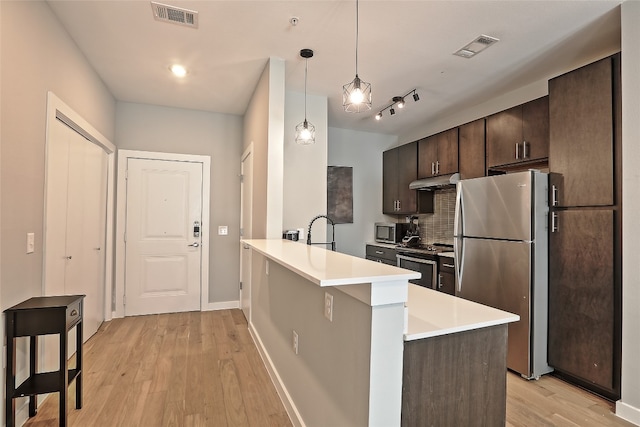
(328, 268)
(433, 313)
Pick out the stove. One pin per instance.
(428, 250)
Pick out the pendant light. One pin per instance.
(305, 131)
(356, 95)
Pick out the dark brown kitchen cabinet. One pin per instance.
(472, 149)
(399, 169)
(582, 297)
(438, 154)
(585, 250)
(519, 134)
(581, 134)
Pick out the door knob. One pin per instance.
(194, 244)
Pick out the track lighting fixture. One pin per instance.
(305, 131)
(398, 101)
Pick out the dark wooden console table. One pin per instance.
(43, 316)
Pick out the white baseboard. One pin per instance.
(628, 412)
(224, 305)
(285, 397)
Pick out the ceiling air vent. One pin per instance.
(475, 47)
(176, 15)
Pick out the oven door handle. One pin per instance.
(412, 259)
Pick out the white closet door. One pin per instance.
(75, 222)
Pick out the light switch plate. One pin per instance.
(31, 243)
(223, 230)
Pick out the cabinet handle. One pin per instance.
(433, 168)
(448, 265)
(379, 252)
(554, 195)
(437, 167)
(439, 281)
(555, 223)
(524, 149)
(517, 151)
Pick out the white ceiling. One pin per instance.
(403, 45)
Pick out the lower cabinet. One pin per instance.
(584, 298)
(446, 275)
(456, 379)
(383, 254)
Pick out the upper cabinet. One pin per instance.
(519, 134)
(472, 152)
(438, 154)
(399, 169)
(581, 111)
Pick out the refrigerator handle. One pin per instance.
(458, 242)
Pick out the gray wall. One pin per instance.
(329, 377)
(629, 405)
(363, 152)
(175, 130)
(37, 56)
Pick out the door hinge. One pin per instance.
(241, 178)
(124, 300)
(126, 174)
(240, 285)
(125, 237)
(241, 232)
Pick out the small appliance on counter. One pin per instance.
(291, 235)
(412, 236)
(390, 232)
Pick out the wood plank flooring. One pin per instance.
(202, 369)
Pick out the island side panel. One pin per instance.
(327, 382)
(456, 379)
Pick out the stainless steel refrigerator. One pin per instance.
(501, 246)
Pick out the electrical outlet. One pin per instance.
(295, 342)
(328, 306)
(223, 230)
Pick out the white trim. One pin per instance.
(56, 108)
(224, 305)
(283, 393)
(123, 157)
(628, 412)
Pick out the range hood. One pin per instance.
(435, 182)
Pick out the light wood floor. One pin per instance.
(202, 369)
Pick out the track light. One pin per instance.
(398, 101)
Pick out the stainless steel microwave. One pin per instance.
(390, 232)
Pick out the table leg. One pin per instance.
(79, 365)
(64, 378)
(33, 355)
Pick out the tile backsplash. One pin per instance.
(438, 226)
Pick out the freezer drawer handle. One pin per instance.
(555, 223)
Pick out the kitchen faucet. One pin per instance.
(333, 233)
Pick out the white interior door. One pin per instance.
(75, 226)
(163, 249)
(246, 209)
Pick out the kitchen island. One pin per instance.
(342, 365)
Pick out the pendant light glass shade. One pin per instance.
(356, 95)
(305, 131)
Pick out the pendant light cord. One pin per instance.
(306, 61)
(357, 32)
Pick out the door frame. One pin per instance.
(246, 282)
(121, 215)
(58, 110)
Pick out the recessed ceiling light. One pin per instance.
(178, 70)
